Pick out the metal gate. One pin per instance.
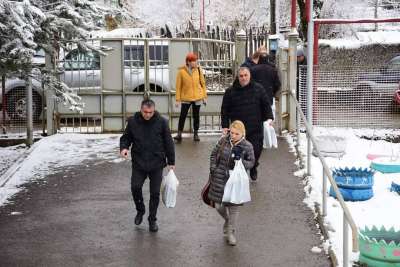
(113, 86)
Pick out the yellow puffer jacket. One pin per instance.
(190, 87)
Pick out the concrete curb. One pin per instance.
(319, 219)
(316, 210)
(14, 168)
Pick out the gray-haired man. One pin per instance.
(247, 101)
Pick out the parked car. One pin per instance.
(82, 71)
(396, 98)
(373, 86)
(390, 4)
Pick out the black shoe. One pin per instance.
(139, 218)
(178, 137)
(153, 227)
(253, 174)
(196, 137)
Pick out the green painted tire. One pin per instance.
(379, 248)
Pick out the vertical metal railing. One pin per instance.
(347, 218)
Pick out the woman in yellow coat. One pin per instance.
(190, 92)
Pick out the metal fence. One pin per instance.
(148, 67)
(256, 37)
(13, 108)
(350, 97)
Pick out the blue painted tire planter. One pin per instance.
(386, 165)
(395, 188)
(354, 184)
(350, 194)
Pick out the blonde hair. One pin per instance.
(238, 125)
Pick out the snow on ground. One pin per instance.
(53, 154)
(380, 209)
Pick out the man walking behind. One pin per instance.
(266, 74)
(248, 102)
(152, 149)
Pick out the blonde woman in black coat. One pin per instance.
(229, 148)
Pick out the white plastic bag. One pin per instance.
(169, 187)
(270, 139)
(237, 188)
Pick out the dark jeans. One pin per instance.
(257, 147)
(137, 180)
(196, 116)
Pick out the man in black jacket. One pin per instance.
(152, 149)
(247, 101)
(267, 75)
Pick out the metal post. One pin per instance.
(293, 15)
(310, 38)
(240, 49)
(202, 16)
(29, 113)
(292, 77)
(43, 114)
(284, 71)
(376, 13)
(4, 99)
(324, 186)
(146, 67)
(50, 97)
(345, 242)
(298, 118)
(272, 18)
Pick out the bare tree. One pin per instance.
(303, 22)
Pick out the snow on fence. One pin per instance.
(350, 97)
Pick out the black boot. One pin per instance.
(138, 218)
(153, 227)
(178, 137)
(196, 137)
(253, 174)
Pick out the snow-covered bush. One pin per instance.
(28, 26)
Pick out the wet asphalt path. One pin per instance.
(84, 217)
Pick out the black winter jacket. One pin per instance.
(220, 162)
(267, 76)
(248, 63)
(152, 144)
(249, 104)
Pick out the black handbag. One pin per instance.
(204, 195)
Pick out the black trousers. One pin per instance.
(196, 116)
(257, 146)
(137, 181)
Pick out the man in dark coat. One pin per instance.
(152, 149)
(251, 61)
(247, 101)
(267, 75)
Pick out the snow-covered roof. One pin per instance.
(119, 33)
(364, 39)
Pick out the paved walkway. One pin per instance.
(85, 217)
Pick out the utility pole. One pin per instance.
(376, 13)
(203, 22)
(272, 4)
